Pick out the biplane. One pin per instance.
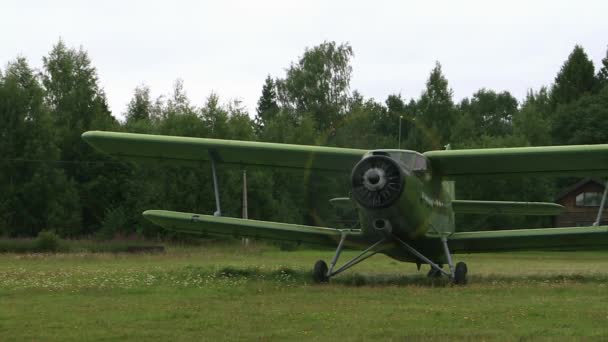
(405, 200)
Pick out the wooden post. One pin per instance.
(245, 241)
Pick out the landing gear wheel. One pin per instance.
(434, 273)
(460, 273)
(319, 272)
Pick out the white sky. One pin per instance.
(229, 47)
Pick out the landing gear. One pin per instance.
(319, 272)
(434, 273)
(460, 274)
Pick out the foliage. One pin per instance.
(29, 245)
(318, 84)
(602, 74)
(575, 78)
(267, 104)
(491, 112)
(52, 180)
(47, 241)
(583, 121)
(115, 221)
(533, 120)
(140, 106)
(435, 113)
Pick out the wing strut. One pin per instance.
(448, 255)
(457, 274)
(422, 257)
(370, 251)
(218, 210)
(602, 204)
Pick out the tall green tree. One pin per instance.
(267, 107)
(397, 114)
(369, 125)
(318, 84)
(140, 107)
(435, 112)
(602, 74)
(575, 78)
(492, 112)
(36, 194)
(78, 104)
(215, 117)
(583, 121)
(533, 120)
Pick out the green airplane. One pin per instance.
(404, 199)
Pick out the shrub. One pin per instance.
(47, 241)
(17, 245)
(115, 219)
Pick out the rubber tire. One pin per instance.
(460, 273)
(319, 272)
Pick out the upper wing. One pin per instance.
(184, 149)
(506, 208)
(228, 226)
(575, 160)
(574, 238)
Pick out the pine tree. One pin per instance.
(267, 104)
(436, 110)
(602, 75)
(575, 78)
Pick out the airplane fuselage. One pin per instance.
(415, 206)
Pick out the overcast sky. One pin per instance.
(229, 47)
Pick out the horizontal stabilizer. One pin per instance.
(575, 160)
(194, 150)
(229, 226)
(343, 203)
(506, 208)
(573, 238)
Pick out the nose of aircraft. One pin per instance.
(374, 179)
(377, 181)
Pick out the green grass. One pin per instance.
(29, 245)
(227, 292)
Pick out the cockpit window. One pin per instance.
(411, 160)
(420, 163)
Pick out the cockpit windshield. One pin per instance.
(411, 160)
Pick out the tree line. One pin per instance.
(51, 180)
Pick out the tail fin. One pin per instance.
(449, 186)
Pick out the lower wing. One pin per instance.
(573, 238)
(229, 226)
(506, 208)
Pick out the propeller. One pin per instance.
(377, 182)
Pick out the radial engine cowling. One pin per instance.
(377, 182)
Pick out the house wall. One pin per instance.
(580, 216)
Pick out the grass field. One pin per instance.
(228, 292)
